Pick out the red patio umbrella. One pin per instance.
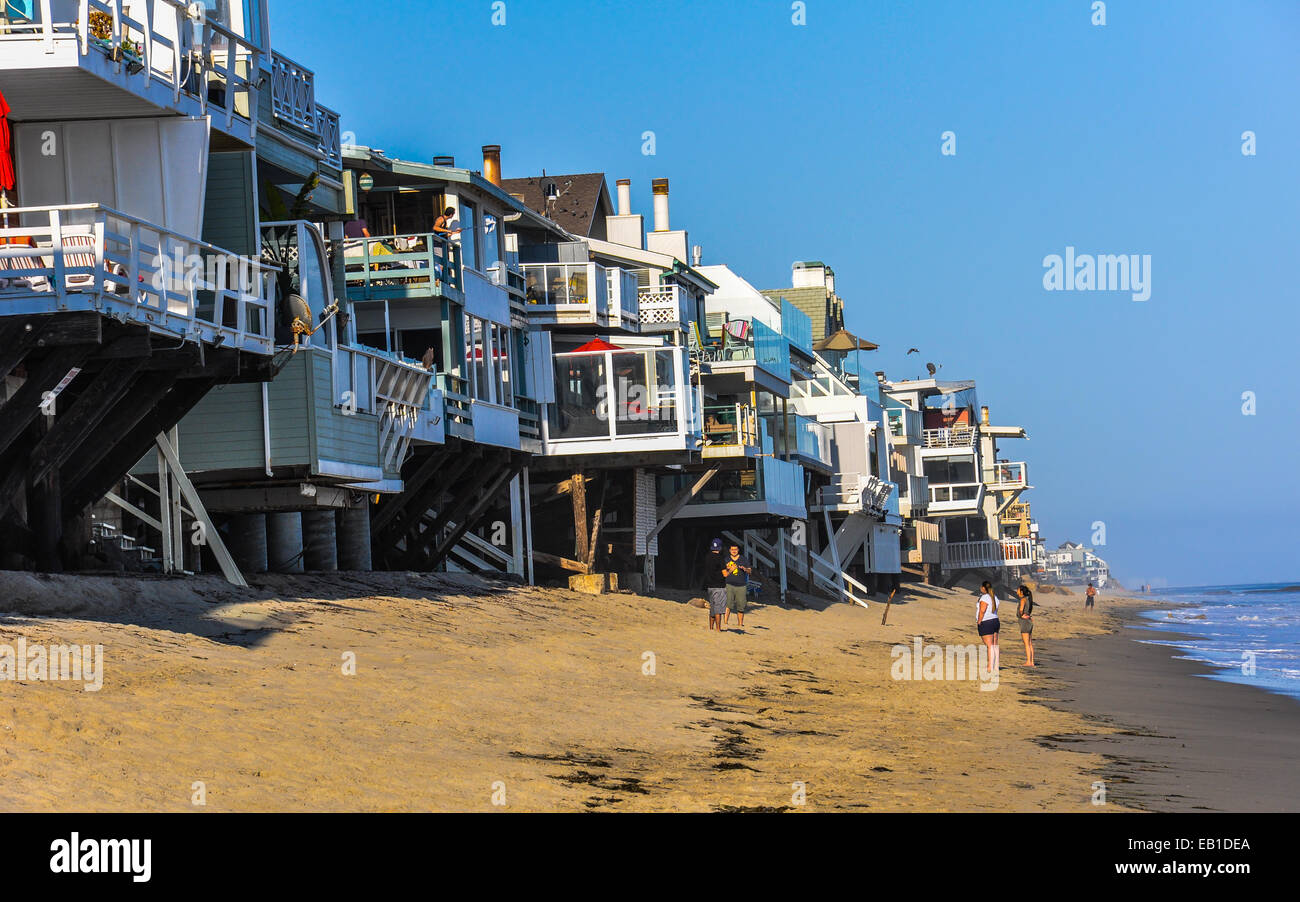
(596, 344)
(6, 157)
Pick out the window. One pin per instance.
(469, 237)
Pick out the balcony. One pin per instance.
(618, 401)
(857, 493)
(295, 110)
(663, 309)
(988, 553)
(905, 426)
(749, 344)
(1007, 477)
(964, 497)
(1016, 513)
(92, 257)
(580, 294)
(773, 488)
(797, 327)
(915, 500)
(809, 441)
(403, 266)
(57, 55)
(961, 437)
(731, 430)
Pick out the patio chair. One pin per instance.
(28, 282)
(83, 257)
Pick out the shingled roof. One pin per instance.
(583, 204)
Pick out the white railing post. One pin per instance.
(146, 45)
(47, 27)
(56, 245)
(133, 263)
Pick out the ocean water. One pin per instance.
(1231, 622)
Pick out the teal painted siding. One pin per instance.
(228, 207)
(349, 439)
(224, 430)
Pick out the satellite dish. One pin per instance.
(299, 309)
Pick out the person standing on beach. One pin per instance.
(715, 583)
(1092, 596)
(1025, 617)
(986, 622)
(737, 571)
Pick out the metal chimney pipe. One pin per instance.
(660, 189)
(624, 197)
(696, 252)
(984, 415)
(492, 163)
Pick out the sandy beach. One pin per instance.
(477, 696)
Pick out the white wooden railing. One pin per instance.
(157, 43)
(857, 490)
(662, 306)
(1004, 476)
(988, 553)
(89, 256)
(293, 100)
(955, 437)
(397, 390)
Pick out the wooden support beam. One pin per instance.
(124, 453)
(124, 417)
(595, 524)
(215, 544)
(578, 490)
(74, 425)
(24, 405)
(562, 562)
(15, 343)
(70, 328)
(678, 501)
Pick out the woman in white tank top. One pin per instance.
(987, 623)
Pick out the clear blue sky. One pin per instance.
(822, 141)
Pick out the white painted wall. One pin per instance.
(155, 169)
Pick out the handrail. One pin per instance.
(395, 270)
(161, 54)
(145, 270)
(950, 437)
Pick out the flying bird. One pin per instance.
(913, 351)
(932, 369)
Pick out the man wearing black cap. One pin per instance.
(715, 583)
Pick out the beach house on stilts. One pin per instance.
(288, 468)
(119, 311)
(609, 310)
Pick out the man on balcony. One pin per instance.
(442, 225)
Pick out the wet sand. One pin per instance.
(1181, 741)
(476, 696)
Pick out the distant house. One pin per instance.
(813, 291)
(579, 202)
